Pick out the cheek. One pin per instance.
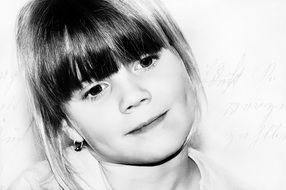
(186, 90)
(95, 124)
(102, 134)
(178, 89)
(176, 94)
(183, 100)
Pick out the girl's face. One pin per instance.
(140, 115)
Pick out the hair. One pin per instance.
(62, 43)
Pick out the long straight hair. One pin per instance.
(62, 43)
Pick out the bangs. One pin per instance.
(91, 42)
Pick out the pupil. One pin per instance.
(146, 61)
(95, 90)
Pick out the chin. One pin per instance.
(157, 155)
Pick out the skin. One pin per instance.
(128, 98)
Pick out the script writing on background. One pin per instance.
(17, 149)
(240, 50)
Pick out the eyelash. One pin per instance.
(153, 57)
(94, 97)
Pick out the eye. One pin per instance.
(95, 91)
(146, 62)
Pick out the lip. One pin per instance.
(150, 123)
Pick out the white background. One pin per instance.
(240, 49)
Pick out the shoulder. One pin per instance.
(213, 176)
(84, 168)
(39, 176)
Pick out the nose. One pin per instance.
(133, 92)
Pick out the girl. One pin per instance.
(118, 80)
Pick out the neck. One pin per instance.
(178, 173)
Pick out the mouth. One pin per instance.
(145, 126)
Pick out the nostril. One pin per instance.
(129, 107)
(141, 101)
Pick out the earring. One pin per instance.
(78, 145)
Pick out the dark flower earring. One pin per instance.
(78, 146)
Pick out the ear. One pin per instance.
(71, 132)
